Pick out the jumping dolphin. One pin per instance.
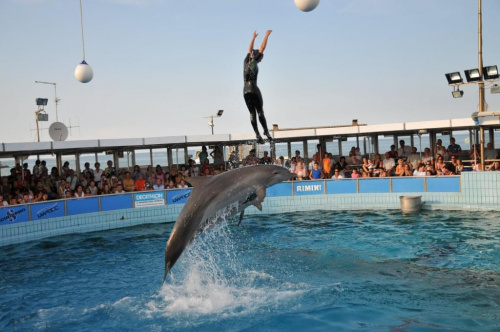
(245, 186)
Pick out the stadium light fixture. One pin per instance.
(490, 73)
(454, 78)
(41, 101)
(473, 75)
(457, 93)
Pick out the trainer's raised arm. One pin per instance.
(264, 42)
(255, 34)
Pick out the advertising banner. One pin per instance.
(79, 206)
(178, 196)
(47, 210)
(309, 187)
(280, 189)
(13, 214)
(149, 198)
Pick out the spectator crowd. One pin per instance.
(26, 185)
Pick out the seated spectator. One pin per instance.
(106, 189)
(315, 173)
(459, 166)
(494, 166)
(337, 174)
(158, 185)
(3, 201)
(119, 189)
(182, 184)
(301, 171)
(266, 159)
(427, 157)
(408, 170)
(93, 188)
(354, 174)
(148, 186)
(420, 170)
(439, 149)
(140, 183)
(171, 184)
(400, 168)
(377, 162)
(128, 182)
(477, 166)
(79, 192)
(341, 166)
(490, 153)
(87, 192)
(439, 164)
(474, 152)
(448, 169)
(389, 164)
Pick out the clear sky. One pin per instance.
(160, 66)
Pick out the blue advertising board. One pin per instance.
(13, 214)
(309, 188)
(178, 196)
(443, 184)
(410, 184)
(79, 206)
(279, 190)
(116, 202)
(47, 210)
(369, 186)
(342, 186)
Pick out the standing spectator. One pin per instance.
(404, 150)
(439, 148)
(315, 173)
(36, 168)
(454, 149)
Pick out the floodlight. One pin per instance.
(219, 113)
(490, 72)
(454, 78)
(41, 101)
(472, 75)
(457, 93)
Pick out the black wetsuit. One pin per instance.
(251, 92)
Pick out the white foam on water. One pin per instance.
(210, 281)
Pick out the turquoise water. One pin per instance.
(316, 270)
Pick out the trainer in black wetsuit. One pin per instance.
(251, 92)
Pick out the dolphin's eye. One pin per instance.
(275, 172)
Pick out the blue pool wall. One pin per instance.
(476, 191)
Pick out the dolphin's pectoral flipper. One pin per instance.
(257, 204)
(261, 194)
(241, 216)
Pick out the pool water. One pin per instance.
(314, 271)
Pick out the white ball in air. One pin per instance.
(306, 5)
(83, 72)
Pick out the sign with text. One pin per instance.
(178, 196)
(13, 214)
(47, 210)
(309, 188)
(147, 199)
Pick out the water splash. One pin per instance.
(210, 280)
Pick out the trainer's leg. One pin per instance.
(259, 103)
(253, 115)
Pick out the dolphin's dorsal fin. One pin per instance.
(197, 180)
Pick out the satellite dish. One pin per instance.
(58, 131)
